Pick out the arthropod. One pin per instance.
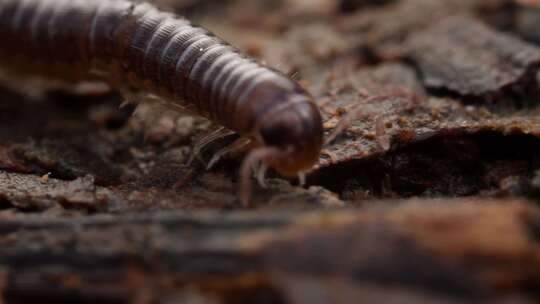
(135, 47)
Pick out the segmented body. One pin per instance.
(136, 47)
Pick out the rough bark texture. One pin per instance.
(429, 194)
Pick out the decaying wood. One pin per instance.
(465, 57)
(97, 205)
(433, 251)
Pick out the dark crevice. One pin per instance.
(526, 22)
(350, 6)
(533, 225)
(5, 203)
(501, 17)
(458, 165)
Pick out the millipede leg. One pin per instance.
(205, 141)
(237, 146)
(253, 158)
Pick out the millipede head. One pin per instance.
(298, 133)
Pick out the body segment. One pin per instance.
(135, 47)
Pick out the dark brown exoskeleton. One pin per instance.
(136, 47)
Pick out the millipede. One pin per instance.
(137, 48)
